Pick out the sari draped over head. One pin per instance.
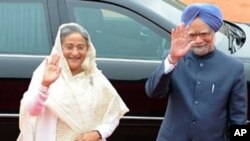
(208, 13)
(99, 104)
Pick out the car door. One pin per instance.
(25, 39)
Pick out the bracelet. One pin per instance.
(43, 89)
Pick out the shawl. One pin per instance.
(209, 13)
(104, 105)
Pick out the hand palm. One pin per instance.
(51, 73)
(52, 70)
(179, 42)
(179, 47)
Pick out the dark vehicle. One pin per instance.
(131, 38)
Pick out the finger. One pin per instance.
(186, 33)
(56, 59)
(189, 45)
(182, 30)
(50, 60)
(178, 31)
(173, 33)
(53, 59)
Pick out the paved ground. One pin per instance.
(234, 10)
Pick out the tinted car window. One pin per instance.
(117, 33)
(20, 24)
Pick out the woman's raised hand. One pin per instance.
(52, 70)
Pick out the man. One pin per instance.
(206, 88)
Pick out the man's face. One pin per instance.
(203, 37)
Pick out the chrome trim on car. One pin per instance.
(4, 115)
(128, 60)
(21, 56)
(142, 118)
(9, 115)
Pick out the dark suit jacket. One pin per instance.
(206, 95)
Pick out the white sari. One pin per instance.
(90, 103)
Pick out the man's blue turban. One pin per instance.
(208, 13)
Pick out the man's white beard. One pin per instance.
(202, 50)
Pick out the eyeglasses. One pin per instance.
(202, 34)
(70, 47)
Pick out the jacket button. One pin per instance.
(196, 102)
(198, 82)
(193, 122)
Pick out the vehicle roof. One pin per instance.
(155, 9)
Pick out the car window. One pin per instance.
(120, 33)
(23, 28)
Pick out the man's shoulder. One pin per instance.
(230, 60)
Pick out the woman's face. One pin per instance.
(74, 48)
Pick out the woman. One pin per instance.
(69, 99)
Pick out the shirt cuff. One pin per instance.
(107, 129)
(168, 67)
